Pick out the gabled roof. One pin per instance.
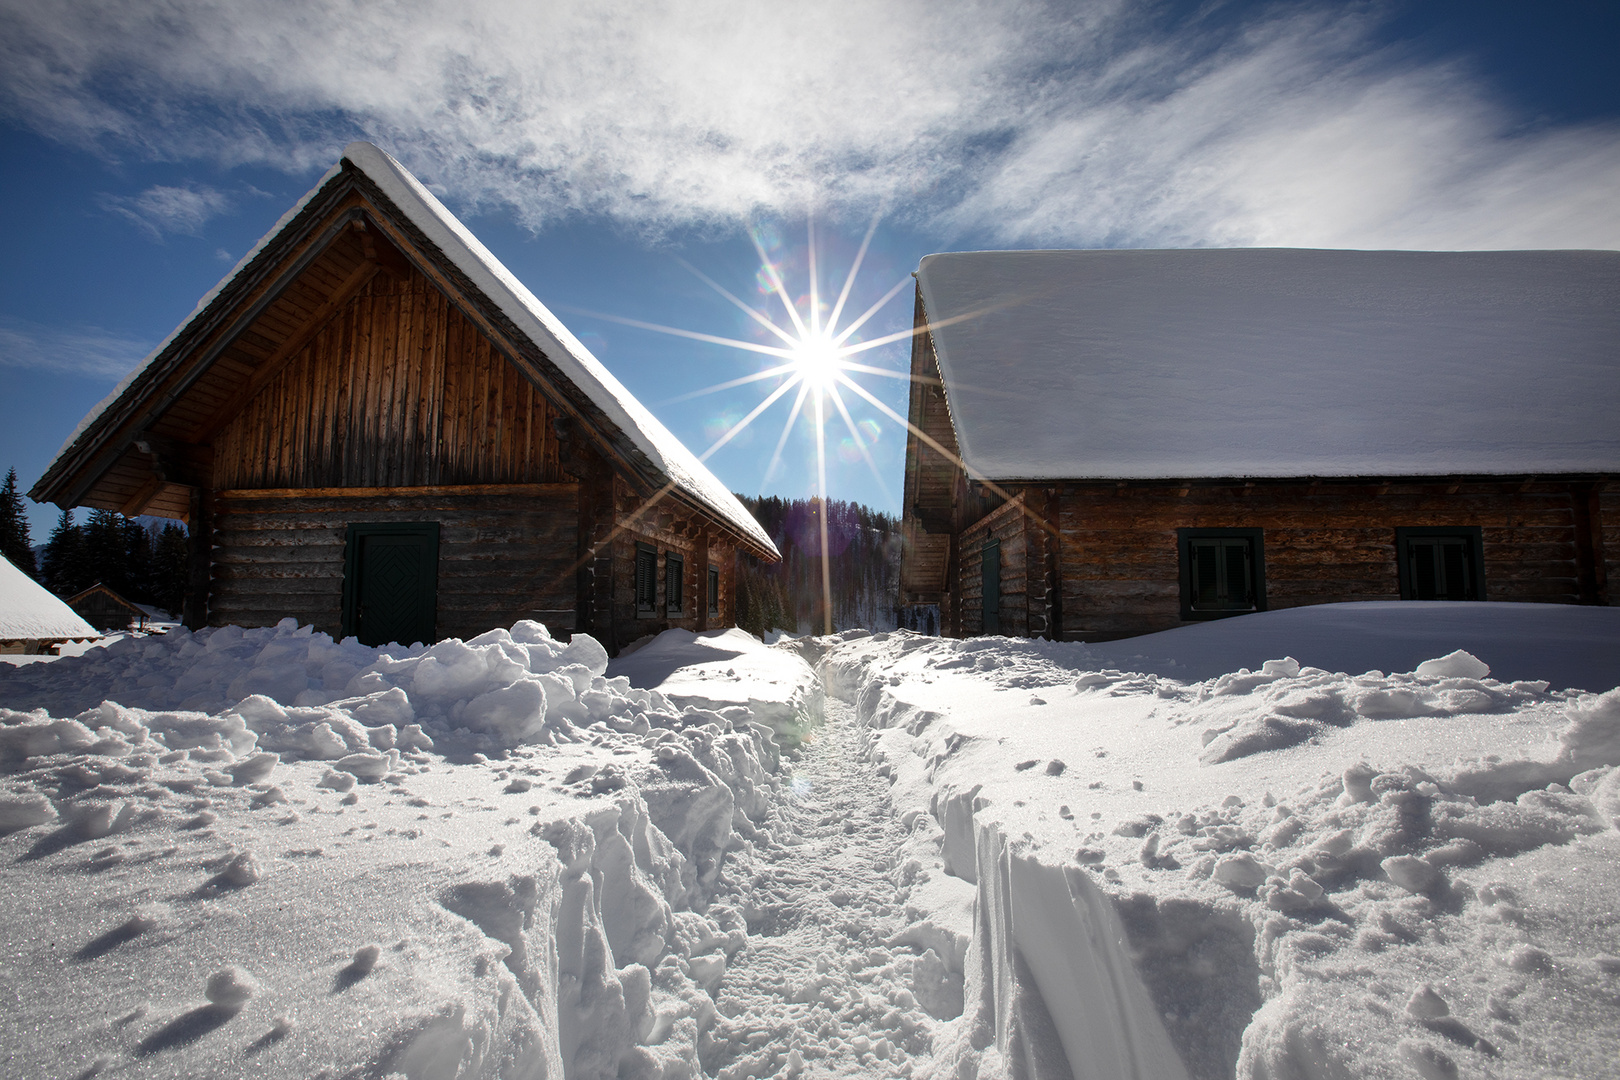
(1278, 362)
(28, 611)
(608, 406)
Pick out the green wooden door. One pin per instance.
(391, 582)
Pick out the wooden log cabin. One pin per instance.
(371, 426)
(1110, 443)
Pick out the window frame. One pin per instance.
(674, 574)
(714, 590)
(1473, 537)
(1257, 559)
(644, 554)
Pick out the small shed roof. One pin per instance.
(1278, 362)
(28, 611)
(678, 466)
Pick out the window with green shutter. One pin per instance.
(1440, 563)
(1222, 572)
(714, 590)
(674, 580)
(646, 582)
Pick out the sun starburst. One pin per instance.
(814, 361)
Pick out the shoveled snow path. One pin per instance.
(818, 991)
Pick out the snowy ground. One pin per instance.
(868, 855)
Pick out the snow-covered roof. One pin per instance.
(464, 250)
(28, 612)
(517, 303)
(1278, 362)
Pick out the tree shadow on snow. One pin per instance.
(119, 935)
(56, 840)
(350, 975)
(185, 1029)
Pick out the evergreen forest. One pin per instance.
(143, 563)
(863, 547)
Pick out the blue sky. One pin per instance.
(603, 149)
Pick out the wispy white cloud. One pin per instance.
(162, 209)
(83, 350)
(1066, 123)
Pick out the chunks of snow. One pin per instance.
(1454, 665)
(1388, 895)
(230, 988)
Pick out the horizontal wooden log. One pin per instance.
(436, 493)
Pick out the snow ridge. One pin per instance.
(1213, 927)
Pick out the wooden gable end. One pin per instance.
(931, 479)
(349, 368)
(396, 389)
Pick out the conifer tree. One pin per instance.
(169, 569)
(64, 567)
(14, 540)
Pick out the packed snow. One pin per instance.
(263, 851)
(1280, 362)
(30, 612)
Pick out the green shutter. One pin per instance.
(990, 574)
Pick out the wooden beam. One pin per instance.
(199, 558)
(138, 501)
(358, 278)
(380, 250)
(176, 462)
(398, 492)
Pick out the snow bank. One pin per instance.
(1565, 645)
(1283, 872)
(722, 668)
(484, 858)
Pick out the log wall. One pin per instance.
(504, 554)
(1005, 525)
(1324, 543)
(667, 527)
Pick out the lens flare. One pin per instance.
(814, 359)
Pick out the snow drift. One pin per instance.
(264, 851)
(1285, 872)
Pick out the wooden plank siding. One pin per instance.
(398, 390)
(500, 558)
(931, 484)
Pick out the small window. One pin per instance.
(990, 576)
(646, 582)
(1222, 572)
(1440, 563)
(674, 578)
(714, 590)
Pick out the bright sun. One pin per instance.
(818, 361)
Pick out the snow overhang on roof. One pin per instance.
(28, 612)
(673, 463)
(1278, 362)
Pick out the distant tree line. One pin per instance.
(145, 564)
(863, 546)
